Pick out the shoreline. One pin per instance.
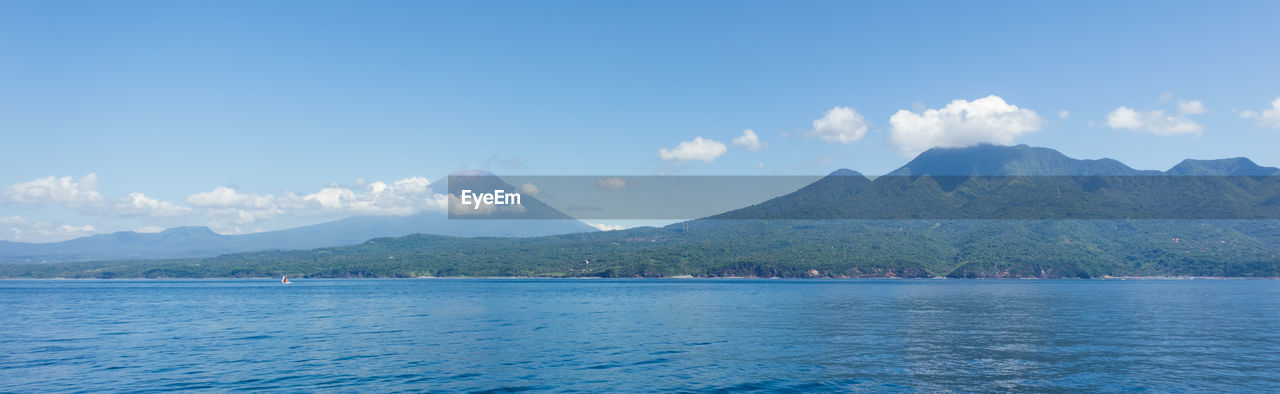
(695, 278)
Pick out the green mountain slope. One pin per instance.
(845, 248)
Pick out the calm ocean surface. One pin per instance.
(639, 335)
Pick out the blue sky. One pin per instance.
(247, 102)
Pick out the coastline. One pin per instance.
(692, 278)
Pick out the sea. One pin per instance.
(639, 335)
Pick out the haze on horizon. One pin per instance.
(251, 116)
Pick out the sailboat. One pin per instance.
(284, 279)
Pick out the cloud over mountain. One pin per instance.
(223, 208)
(961, 123)
(226, 197)
(16, 228)
(403, 197)
(139, 204)
(227, 207)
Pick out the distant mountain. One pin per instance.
(1238, 166)
(1024, 160)
(1019, 160)
(193, 242)
(814, 247)
(187, 242)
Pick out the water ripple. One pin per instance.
(640, 335)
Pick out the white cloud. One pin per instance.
(961, 123)
(612, 183)
(840, 124)
(607, 227)
(1155, 122)
(1193, 107)
(698, 149)
(1063, 114)
(530, 189)
(53, 190)
(404, 197)
(1268, 117)
(749, 141)
(220, 218)
(83, 194)
(337, 197)
(226, 207)
(225, 197)
(138, 204)
(19, 229)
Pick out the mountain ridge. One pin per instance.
(1022, 182)
(1235, 166)
(1016, 160)
(786, 247)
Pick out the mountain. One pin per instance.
(198, 241)
(187, 242)
(1237, 166)
(768, 240)
(1020, 160)
(194, 242)
(1024, 160)
(1021, 182)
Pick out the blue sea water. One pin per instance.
(639, 335)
